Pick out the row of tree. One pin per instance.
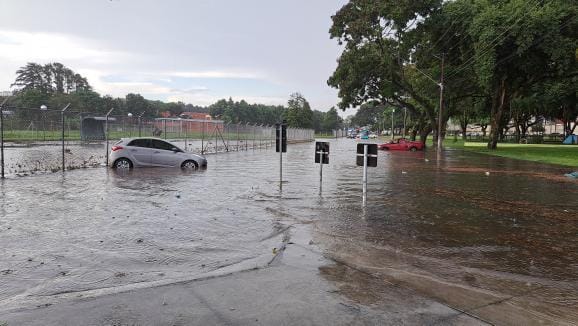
(509, 63)
(297, 113)
(55, 85)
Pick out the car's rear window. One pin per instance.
(140, 143)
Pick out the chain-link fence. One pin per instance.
(38, 140)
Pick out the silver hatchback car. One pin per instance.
(143, 152)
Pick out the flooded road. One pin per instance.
(492, 237)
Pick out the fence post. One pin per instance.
(186, 126)
(2, 135)
(203, 138)
(254, 135)
(62, 116)
(227, 131)
(247, 136)
(106, 134)
(140, 123)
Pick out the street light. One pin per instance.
(392, 112)
(43, 108)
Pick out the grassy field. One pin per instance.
(566, 155)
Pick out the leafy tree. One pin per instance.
(331, 120)
(137, 105)
(52, 78)
(493, 50)
(298, 113)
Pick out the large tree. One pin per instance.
(51, 78)
(298, 113)
(494, 52)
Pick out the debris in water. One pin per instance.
(274, 251)
(487, 172)
(403, 172)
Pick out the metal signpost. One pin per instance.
(106, 134)
(366, 156)
(281, 146)
(321, 157)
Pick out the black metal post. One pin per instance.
(106, 134)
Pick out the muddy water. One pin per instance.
(493, 237)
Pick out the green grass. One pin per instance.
(324, 136)
(566, 155)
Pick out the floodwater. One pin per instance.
(493, 237)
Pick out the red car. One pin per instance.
(402, 144)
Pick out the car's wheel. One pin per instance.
(122, 164)
(189, 165)
(413, 149)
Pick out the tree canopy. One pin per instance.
(495, 53)
(51, 78)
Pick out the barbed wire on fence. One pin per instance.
(33, 137)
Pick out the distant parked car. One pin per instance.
(364, 134)
(372, 135)
(130, 153)
(402, 144)
(352, 135)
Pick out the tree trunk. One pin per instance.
(464, 127)
(424, 132)
(498, 105)
(518, 131)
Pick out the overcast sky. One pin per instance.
(195, 51)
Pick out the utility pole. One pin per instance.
(441, 85)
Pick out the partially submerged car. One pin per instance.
(402, 144)
(130, 153)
